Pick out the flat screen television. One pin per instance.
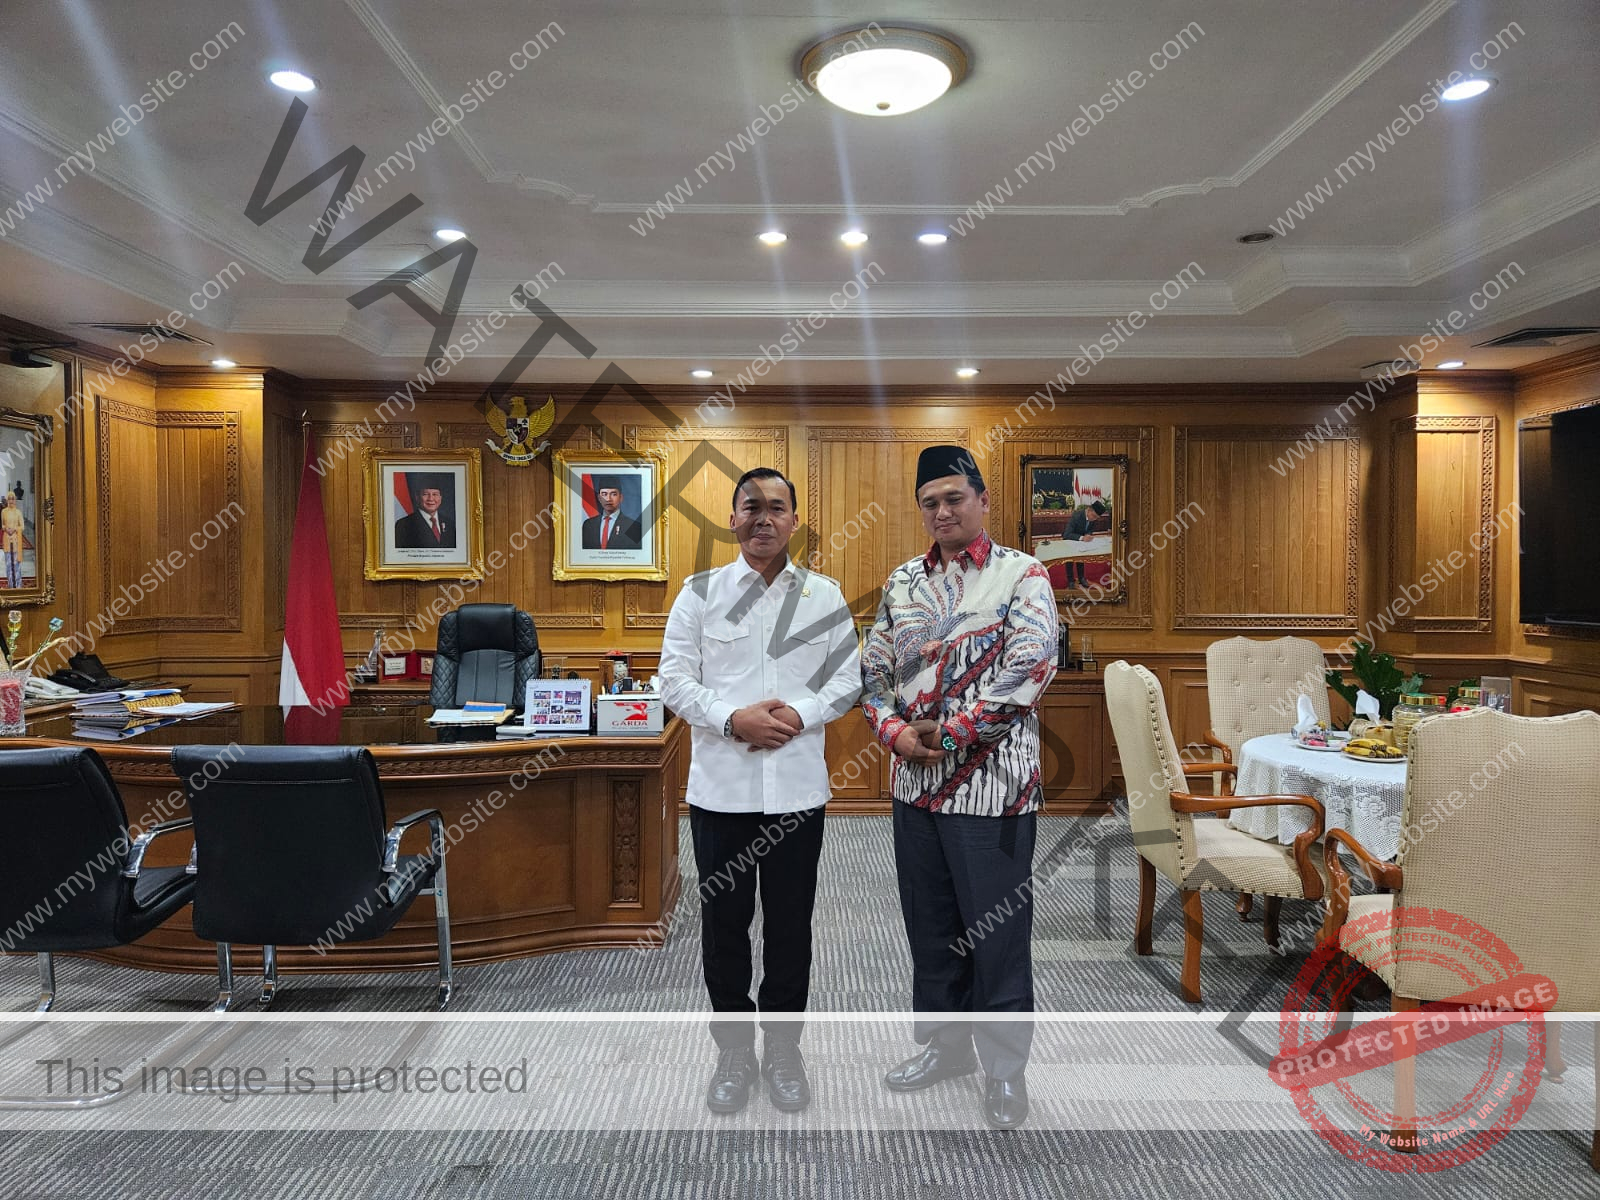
(1559, 463)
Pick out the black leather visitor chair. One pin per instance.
(75, 878)
(291, 851)
(485, 652)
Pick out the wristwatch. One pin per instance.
(948, 742)
(727, 727)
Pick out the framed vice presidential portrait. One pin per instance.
(1075, 522)
(27, 508)
(610, 516)
(423, 511)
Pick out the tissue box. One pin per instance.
(630, 712)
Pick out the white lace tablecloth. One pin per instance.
(1363, 798)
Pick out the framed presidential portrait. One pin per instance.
(1075, 522)
(27, 508)
(423, 511)
(610, 516)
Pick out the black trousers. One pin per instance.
(967, 898)
(736, 853)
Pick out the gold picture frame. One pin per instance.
(25, 444)
(1075, 521)
(408, 539)
(637, 532)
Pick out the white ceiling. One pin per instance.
(627, 99)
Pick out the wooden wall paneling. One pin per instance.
(199, 495)
(858, 766)
(513, 496)
(1537, 695)
(125, 454)
(363, 603)
(1452, 497)
(1275, 546)
(700, 506)
(284, 448)
(850, 469)
(1189, 705)
(1004, 476)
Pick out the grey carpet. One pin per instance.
(1084, 962)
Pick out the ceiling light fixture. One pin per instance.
(449, 235)
(1451, 364)
(853, 238)
(883, 71)
(1256, 238)
(1466, 89)
(292, 81)
(966, 372)
(700, 373)
(222, 364)
(773, 237)
(932, 239)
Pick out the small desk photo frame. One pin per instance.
(557, 705)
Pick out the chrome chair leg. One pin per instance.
(441, 915)
(47, 984)
(224, 978)
(269, 975)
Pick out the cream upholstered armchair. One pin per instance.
(1509, 814)
(1252, 687)
(1195, 855)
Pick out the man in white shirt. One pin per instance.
(758, 657)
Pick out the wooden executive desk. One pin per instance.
(584, 855)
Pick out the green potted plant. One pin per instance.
(1376, 675)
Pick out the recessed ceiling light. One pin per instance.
(222, 364)
(1451, 364)
(853, 238)
(700, 373)
(1466, 89)
(883, 72)
(966, 372)
(932, 239)
(293, 81)
(1256, 238)
(449, 235)
(773, 237)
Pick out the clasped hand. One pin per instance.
(766, 725)
(919, 741)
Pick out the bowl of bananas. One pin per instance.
(1372, 750)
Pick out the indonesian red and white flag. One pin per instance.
(313, 654)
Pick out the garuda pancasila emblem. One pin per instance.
(516, 428)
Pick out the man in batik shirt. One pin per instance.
(962, 651)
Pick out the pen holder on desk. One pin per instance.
(13, 695)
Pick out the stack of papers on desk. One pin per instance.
(115, 708)
(116, 733)
(471, 713)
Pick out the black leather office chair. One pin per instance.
(74, 878)
(291, 851)
(485, 652)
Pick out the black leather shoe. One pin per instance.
(934, 1065)
(737, 1070)
(785, 1072)
(1005, 1102)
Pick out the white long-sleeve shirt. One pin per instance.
(732, 640)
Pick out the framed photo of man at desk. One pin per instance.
(423, 511)
(27, 509)
(1075, 521)
(610, 518)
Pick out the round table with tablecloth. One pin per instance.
(1364, 798)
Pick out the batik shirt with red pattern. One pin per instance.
(971, 644)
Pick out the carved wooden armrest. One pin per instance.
(1183, 802)
(1385, 875)
(1212, 739)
